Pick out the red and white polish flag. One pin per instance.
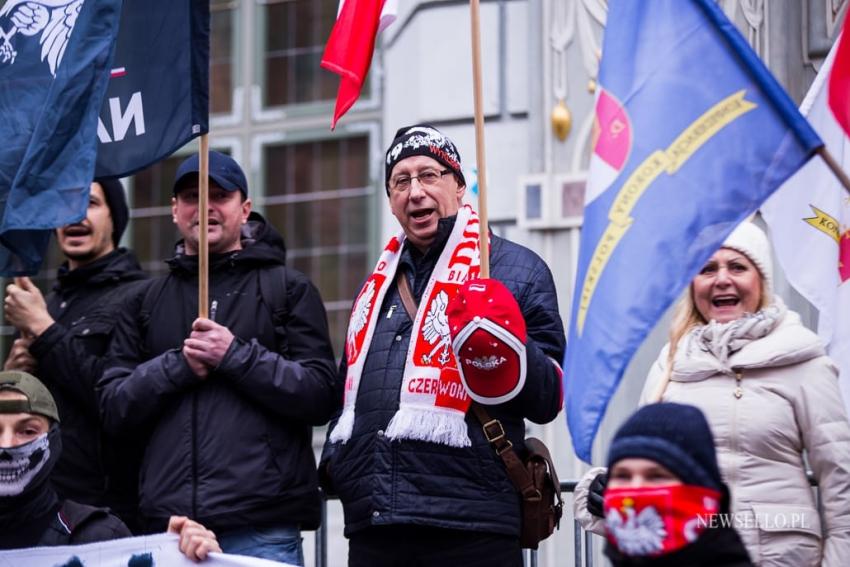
(351, 44)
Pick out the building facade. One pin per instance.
(271, 106)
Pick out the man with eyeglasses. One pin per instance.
(419, 482)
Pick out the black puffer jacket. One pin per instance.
(411, 482)
(233, 449)
(94, 469)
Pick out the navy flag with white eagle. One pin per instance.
(54, 61)
(80, 99)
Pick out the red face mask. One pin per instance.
(654, 520)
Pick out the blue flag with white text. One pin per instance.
(158, 94)
(54, 60)
(693, 134)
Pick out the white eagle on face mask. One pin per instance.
(53, 19)
(637, 534)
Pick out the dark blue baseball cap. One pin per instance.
(223, 170)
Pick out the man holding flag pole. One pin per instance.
(427, 339)
(167, 82)
(227, 399)
(433, 344)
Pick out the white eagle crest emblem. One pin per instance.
(435, 329)
(53, 19)
(361, 315)
(637, 534)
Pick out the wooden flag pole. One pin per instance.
(479, 138)
(834, 167)
(203, 227)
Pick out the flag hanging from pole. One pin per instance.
(809, 218)
(158, 94)
(54, 61)
(351, 44)
(839, 81)
(687, 146)
(60, 131)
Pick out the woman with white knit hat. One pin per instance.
(771, 396)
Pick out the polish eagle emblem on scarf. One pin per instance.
(360, 316)
(53, 19)
(640, 533)
(435, 329)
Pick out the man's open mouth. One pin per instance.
(421, 214)
(77, 230)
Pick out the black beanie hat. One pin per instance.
(423, 140)
(675, 436)
(116, 200)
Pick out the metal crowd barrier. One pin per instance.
(583, 547)
(582, 540)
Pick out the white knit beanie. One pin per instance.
(751, 241)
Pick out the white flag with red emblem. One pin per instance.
(809, 219)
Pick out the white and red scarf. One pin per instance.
(432, 401)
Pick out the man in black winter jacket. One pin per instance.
(227, 402)
(419, 482)
(64, 340)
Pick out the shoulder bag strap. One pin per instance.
(493, 430)
(406, 295)
(495, 434)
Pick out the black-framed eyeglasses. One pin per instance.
(427, 178)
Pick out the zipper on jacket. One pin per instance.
(738, 392)
(194, 455)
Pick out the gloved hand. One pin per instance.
(596, 493)
(488, 338)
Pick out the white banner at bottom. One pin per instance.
(146, 551)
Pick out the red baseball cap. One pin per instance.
(488, 337)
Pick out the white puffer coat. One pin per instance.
(774, 399)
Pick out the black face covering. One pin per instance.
(27, 500)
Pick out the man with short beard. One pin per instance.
(228, 401)
(64, 338)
